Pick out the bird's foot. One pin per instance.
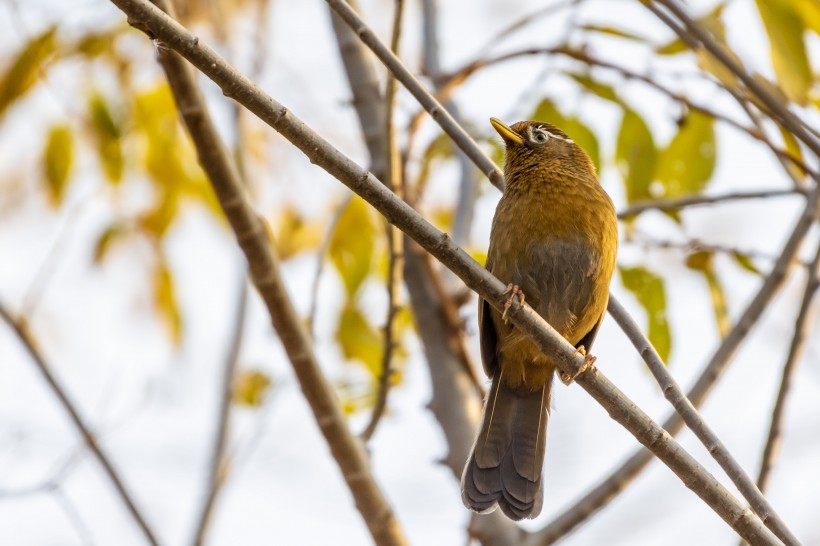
(515, 292)
(589, 364)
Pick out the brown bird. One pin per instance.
(554, 238)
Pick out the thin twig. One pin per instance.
(219, 460)
(85, 432)
(696, 37)
(698, 425)
(798, 343)
(422, 95)
(457, 77)
(699, 200)
(395, 241)
(253, 236)
(319, 151)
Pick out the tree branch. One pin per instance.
(699, 200)
(255, 240)
(439, 245)
(73, 413)
(798, 343)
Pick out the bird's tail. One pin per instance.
(508, 454)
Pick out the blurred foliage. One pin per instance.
(58, 157)
(250, 387)
(704, 262)
(649, 290)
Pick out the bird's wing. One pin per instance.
(488, 337)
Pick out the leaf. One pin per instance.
(359, 340)
(440, 147)
(687, 163)
(113, 233)
(108, 135)
(785, 27)
(809, 10)
(572, 126)
(745, 261)
(57, 158)
(597, 88)
(294, 234)
(165, 301)
(24, 70)
(250, 387)
(612, 31)
(704, 262)
(793, 147)
(635, 156)
(649, 290)
(352, 244)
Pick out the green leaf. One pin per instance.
(24, 69)
(359, 340)
(649, 290)
(785, 27)
(108, 135)
(250, 387)
(704, 262)
(572, 126)
(58, 157)
(352, 244)
(165, 301)
(687, 163)
(635, 156)
(793, 147)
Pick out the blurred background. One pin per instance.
(118, 268)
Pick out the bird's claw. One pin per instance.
(589, 364)
(514, 291)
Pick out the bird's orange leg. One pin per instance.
(589, 363)
(515, 292)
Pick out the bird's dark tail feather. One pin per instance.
(505, 464)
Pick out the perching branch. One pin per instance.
(798, 343)
(255, 241)
(73, 413)
(439, 245)
(696, 424)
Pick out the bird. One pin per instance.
(554, 240)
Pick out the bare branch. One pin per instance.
(699, 200)
(696, 38)
(798, 343)
(439, 245)
(219, 459)
(698, 425)
(395, 240)
(85, 432)
(255, 241)
(425, 98)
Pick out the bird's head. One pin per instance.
(540, 148)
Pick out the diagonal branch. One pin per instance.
(699, 200)
(85, 432)
(801, 329)
(254, 238)
(439, 245)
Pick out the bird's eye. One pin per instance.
(539, 137)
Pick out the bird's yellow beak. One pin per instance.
(506, 133)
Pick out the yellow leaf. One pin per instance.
(58, 157)
(295, 234)
(785, 27)
(687, 163)
(165, 301)
(649, 290)
(107, 133)
(359, 340)
(352, 244)
(24, 69)
(108, 237)
(250, 387)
